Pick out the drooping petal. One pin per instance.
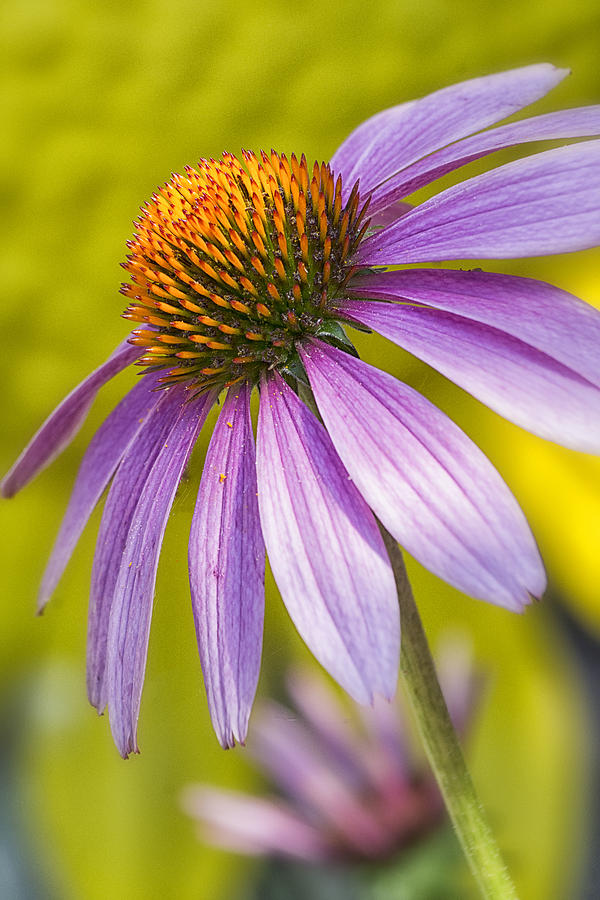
(131, 607)
(254, 825)
(62, 425)
(518, 381)
(548, 318)
(324, 547)
(567, 123)
(97, 468)
(432, 488)
(391, 140)
(227, 570)
(128, 483)
(543, 204)
(131, 476)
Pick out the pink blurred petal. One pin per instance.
(254, 825)
(296, 763)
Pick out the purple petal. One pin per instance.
(518, 381)
(391, 140)
(254, 825)
(363, 762)
(324, 547)
(387, 754)
(551, 320)
(547, 203)
(97, 468)
(62, 425)
(128, 484)
(227, 570)
(432, 488)
(390, 214)
(567, 123)
(131, 607)
(119, 509)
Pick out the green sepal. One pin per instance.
(332, 332)
(294, 368)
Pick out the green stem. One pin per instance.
(442, 746)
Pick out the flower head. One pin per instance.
(349, 784)
(233, 263)
(247, 274)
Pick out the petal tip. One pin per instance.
(539, 583)
(43, 598)
(535, 594)
(229, 734)
(7, 489)
(563, 72)
(127, 753)
(95, 696)
(526, 598)
(227, 740)
(127, 745)
(388, 693)
(559, 72)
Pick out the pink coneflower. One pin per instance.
(244, 275)
(349, 784)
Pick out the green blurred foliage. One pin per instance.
(102, 101)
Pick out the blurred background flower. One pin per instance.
(102, 102)
(352, 785)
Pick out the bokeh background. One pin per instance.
(101, 102)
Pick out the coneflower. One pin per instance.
(246, 274)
